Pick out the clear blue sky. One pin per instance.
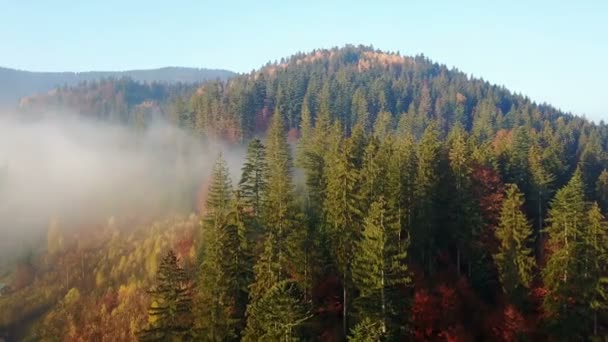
(553, 51)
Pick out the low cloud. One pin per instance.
(83, 171)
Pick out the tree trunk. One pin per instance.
(458, 261)
(383, 304)
(344, 323)
(595, 323)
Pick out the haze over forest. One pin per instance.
(338, 194)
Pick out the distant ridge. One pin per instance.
(15, 84)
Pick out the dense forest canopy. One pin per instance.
(382, 197)
(18, 83)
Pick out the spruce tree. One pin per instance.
(541, 185)
(278, 315)
(218, 276)
(595, 257)
(461, 205)
(514, 260)
(253, 181)
(427, 180)
(170, 313)
(342, 212)
(563, 275)
(281, 258)
(601, 189)
(367, 330)
(380, 273)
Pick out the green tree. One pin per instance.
(427, 181)
(514, 260)
(380, 272)
(170, 314)
(342, 213)
(601, 189)
(595, 256)
(367, 330)
(278, 315)
(281, 258)
(461, 205)
(541, 185)
(253, 181)
(218, 276)
(563, 276)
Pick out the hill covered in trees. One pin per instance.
(382, 197)
(16, 84)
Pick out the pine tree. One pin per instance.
(342, 213)
(359, 110)
(306, 132)
(218, 278)
(170, 314)
(383, 125)
(253, 182)
(514, 259)
(278, 315)
(541, 184)
(563, 276)
(367, 330)
(461, 207)
(592, 162)
(601, 189)
(380, 272)
(595, 257)
(281, 258)
(427, 180)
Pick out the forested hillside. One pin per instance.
(15, 84)
(382, 197)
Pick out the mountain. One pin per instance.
(15, 84)
(392, 198)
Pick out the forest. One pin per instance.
(381, 198)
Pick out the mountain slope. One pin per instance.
(393, 224)
(15, 84)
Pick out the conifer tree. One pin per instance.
(380, 272)
(601, 189)
(278, 315)
(342, 212)
(170, 314)
(367, 330)
(595, 257)
(306, 133)
(427, 180)
(541, 184)
(284, 240)
(359, 110)
(219, 272)
(461, 207)
(563, 276)
(253, 181)
(514, 260)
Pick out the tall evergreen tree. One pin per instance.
(170, 313)
(601, 189)
(380, 272)
(427, 180)
(253, 181)
(219, 273)
(514, 260)
(563, 276)
(278, 315)
(281, 258)
(541, 185)
(595, 257)
(342, 213)
(461, 205)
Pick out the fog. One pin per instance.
(82, 172)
